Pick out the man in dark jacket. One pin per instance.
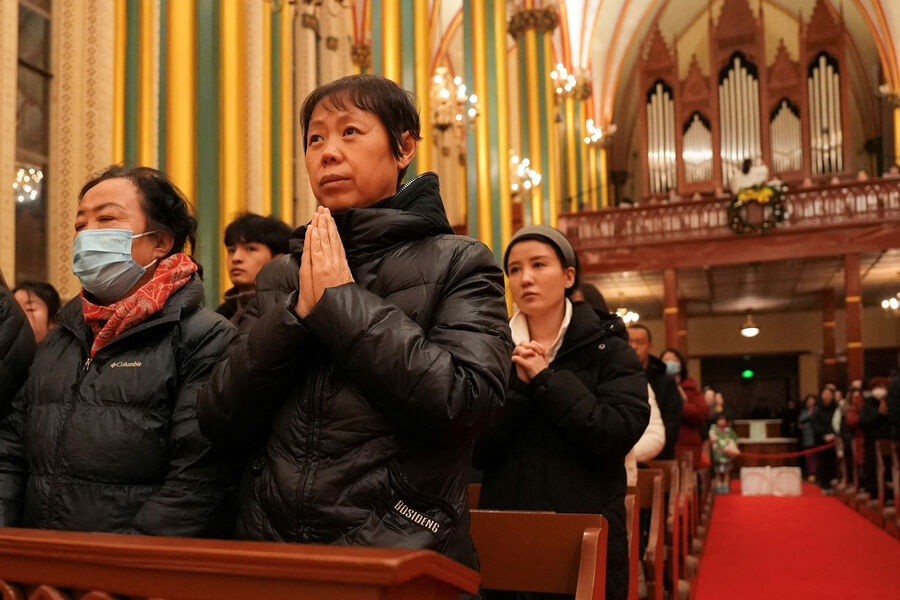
(16, 347)
(363, 403)
(664, 386)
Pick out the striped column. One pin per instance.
(571, 141)
(853, 313)
(9, 19)
(532, 28)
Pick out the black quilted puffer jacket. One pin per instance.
(365, 412)
(112, 444)
(16, 348)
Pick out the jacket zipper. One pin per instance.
(310, 447)
(51, 502)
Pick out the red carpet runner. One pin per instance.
(796, 548)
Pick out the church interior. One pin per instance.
(727, 171)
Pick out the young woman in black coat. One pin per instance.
(576, 403)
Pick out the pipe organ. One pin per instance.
(786, 134)
(790, 112)
(697, 152)
(738, 115)
(661, 140)
(826, 135)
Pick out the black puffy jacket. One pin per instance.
(112, 444)
(366, 410)
(561, 440)
(16, 348)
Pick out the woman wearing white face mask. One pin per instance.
(103, 435)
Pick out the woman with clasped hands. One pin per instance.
(372, 355)
(103, 436)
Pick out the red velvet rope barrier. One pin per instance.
(789, 454)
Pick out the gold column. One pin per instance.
(287, 114)
(233, 121)
(592, 164)
(254, 54)
(181, 69)
(266, 76)
(121, 41)
(897, 135)
(604, 179)
(532, 78)
(584, 196)
(148, 84)
(571, 157)
(482, 139)
(9, 30)
(503, 143)
(424, 157)
(392, 41)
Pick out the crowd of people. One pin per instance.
(354, 375)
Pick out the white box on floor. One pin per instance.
(756, 481)
(765, 481)
(787, 481)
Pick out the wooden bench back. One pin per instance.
(542, 552)
(474, 495)
(633, 527)
(650, 497)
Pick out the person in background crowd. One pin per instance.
(16, 347)
(588, 292)
(852, 435)
(789, 415)
(103, 435)
(874, 423)
(373, 354)
(892, 171)
(664, 386)
(723, 444)
(251, 241)
(893, 406)
(694, 410)
(40, 301)
(807, 435)
(822, 419)
(576, 403)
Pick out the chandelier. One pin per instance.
(595, 136)
(891, 303)
(565, 81)
(451, 103)
(27, 185)
(522, 177)
(628, 316)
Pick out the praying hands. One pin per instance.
(323, 264)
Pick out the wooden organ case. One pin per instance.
(791, 114)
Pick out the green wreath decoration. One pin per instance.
(766, 195)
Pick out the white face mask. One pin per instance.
(102, 261)
(879, 393)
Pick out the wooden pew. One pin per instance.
(650, 497)
(672, 488)
(474, 495)
(633, 528)
(542, 552)
(874, 509)
(104, 566)
(893, 524)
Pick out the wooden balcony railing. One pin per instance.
(55, 565)
(807, 209)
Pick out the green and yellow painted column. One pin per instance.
(489, 201)
(401, 38)
(182, 71)
(532, 28)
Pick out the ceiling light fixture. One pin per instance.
(749, 328)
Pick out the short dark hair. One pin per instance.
(684, 370)
(393, 106)
(46, 292)
(644, 327)
(251, 228)
(165, 206)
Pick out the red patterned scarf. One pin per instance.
(109, 322)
